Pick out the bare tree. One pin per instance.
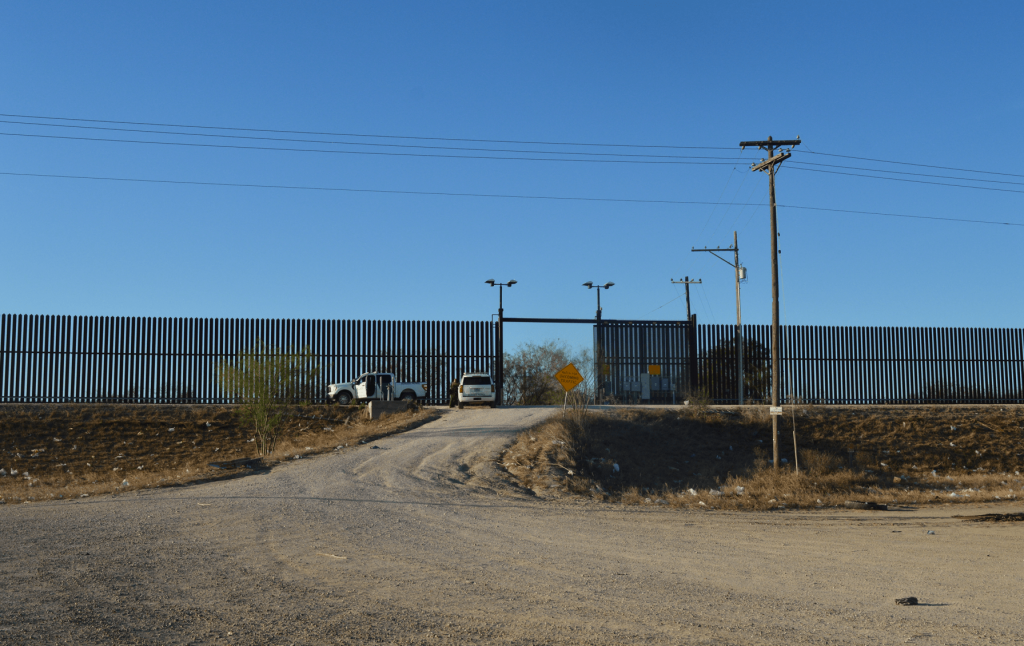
(530, 372)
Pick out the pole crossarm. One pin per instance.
(712, 252)
(771, 143)
(771, 161)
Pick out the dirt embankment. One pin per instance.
(61, 451)
(722, 456)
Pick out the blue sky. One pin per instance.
(921, 82)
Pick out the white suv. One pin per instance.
(476, 388)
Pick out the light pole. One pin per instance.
(500, 349)
(598, 349)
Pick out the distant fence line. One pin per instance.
(867, 365)
(47, 358)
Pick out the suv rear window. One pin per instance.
(476, 381)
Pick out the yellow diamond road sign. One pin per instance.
(569, 377)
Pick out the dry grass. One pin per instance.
(63, 451)
(718, 459)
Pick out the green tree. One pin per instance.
(263, 380)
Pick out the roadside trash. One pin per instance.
(170, 430)
(693, 492)
(140, 467)
(3, 473)
(208, 425)
(647, 500)
(615, 467)
(955, 495)
(661, 502)
(84, 495)
(740, 490)
(951, 444)
(784, 461)
(124, 483)
(701, 503)
(715, 492)
(930, 532)
(907, 601)
(857, 504)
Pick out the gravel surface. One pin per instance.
(421, 541)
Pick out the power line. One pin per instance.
(375, 136)
(376, 152)
(898, 172)
(903, 179)
(356, 190)
(356, 143)
(471, 140)
(488, 195)
(889, 161)
(901, 215)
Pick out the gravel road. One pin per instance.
(421, 541)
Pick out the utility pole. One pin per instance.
(741, 274)
(768, 166)
(686, 281)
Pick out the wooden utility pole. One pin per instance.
(769, 165)
(686, 281)
(740, 271)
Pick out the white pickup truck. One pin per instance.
(375, 385)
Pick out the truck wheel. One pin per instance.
(343, 398)
(408, 396)
(461, 405)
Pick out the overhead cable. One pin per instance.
(373, 136)
(487, 195)
(378, 152)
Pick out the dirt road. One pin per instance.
(420, 541)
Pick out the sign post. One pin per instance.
(569, 377)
